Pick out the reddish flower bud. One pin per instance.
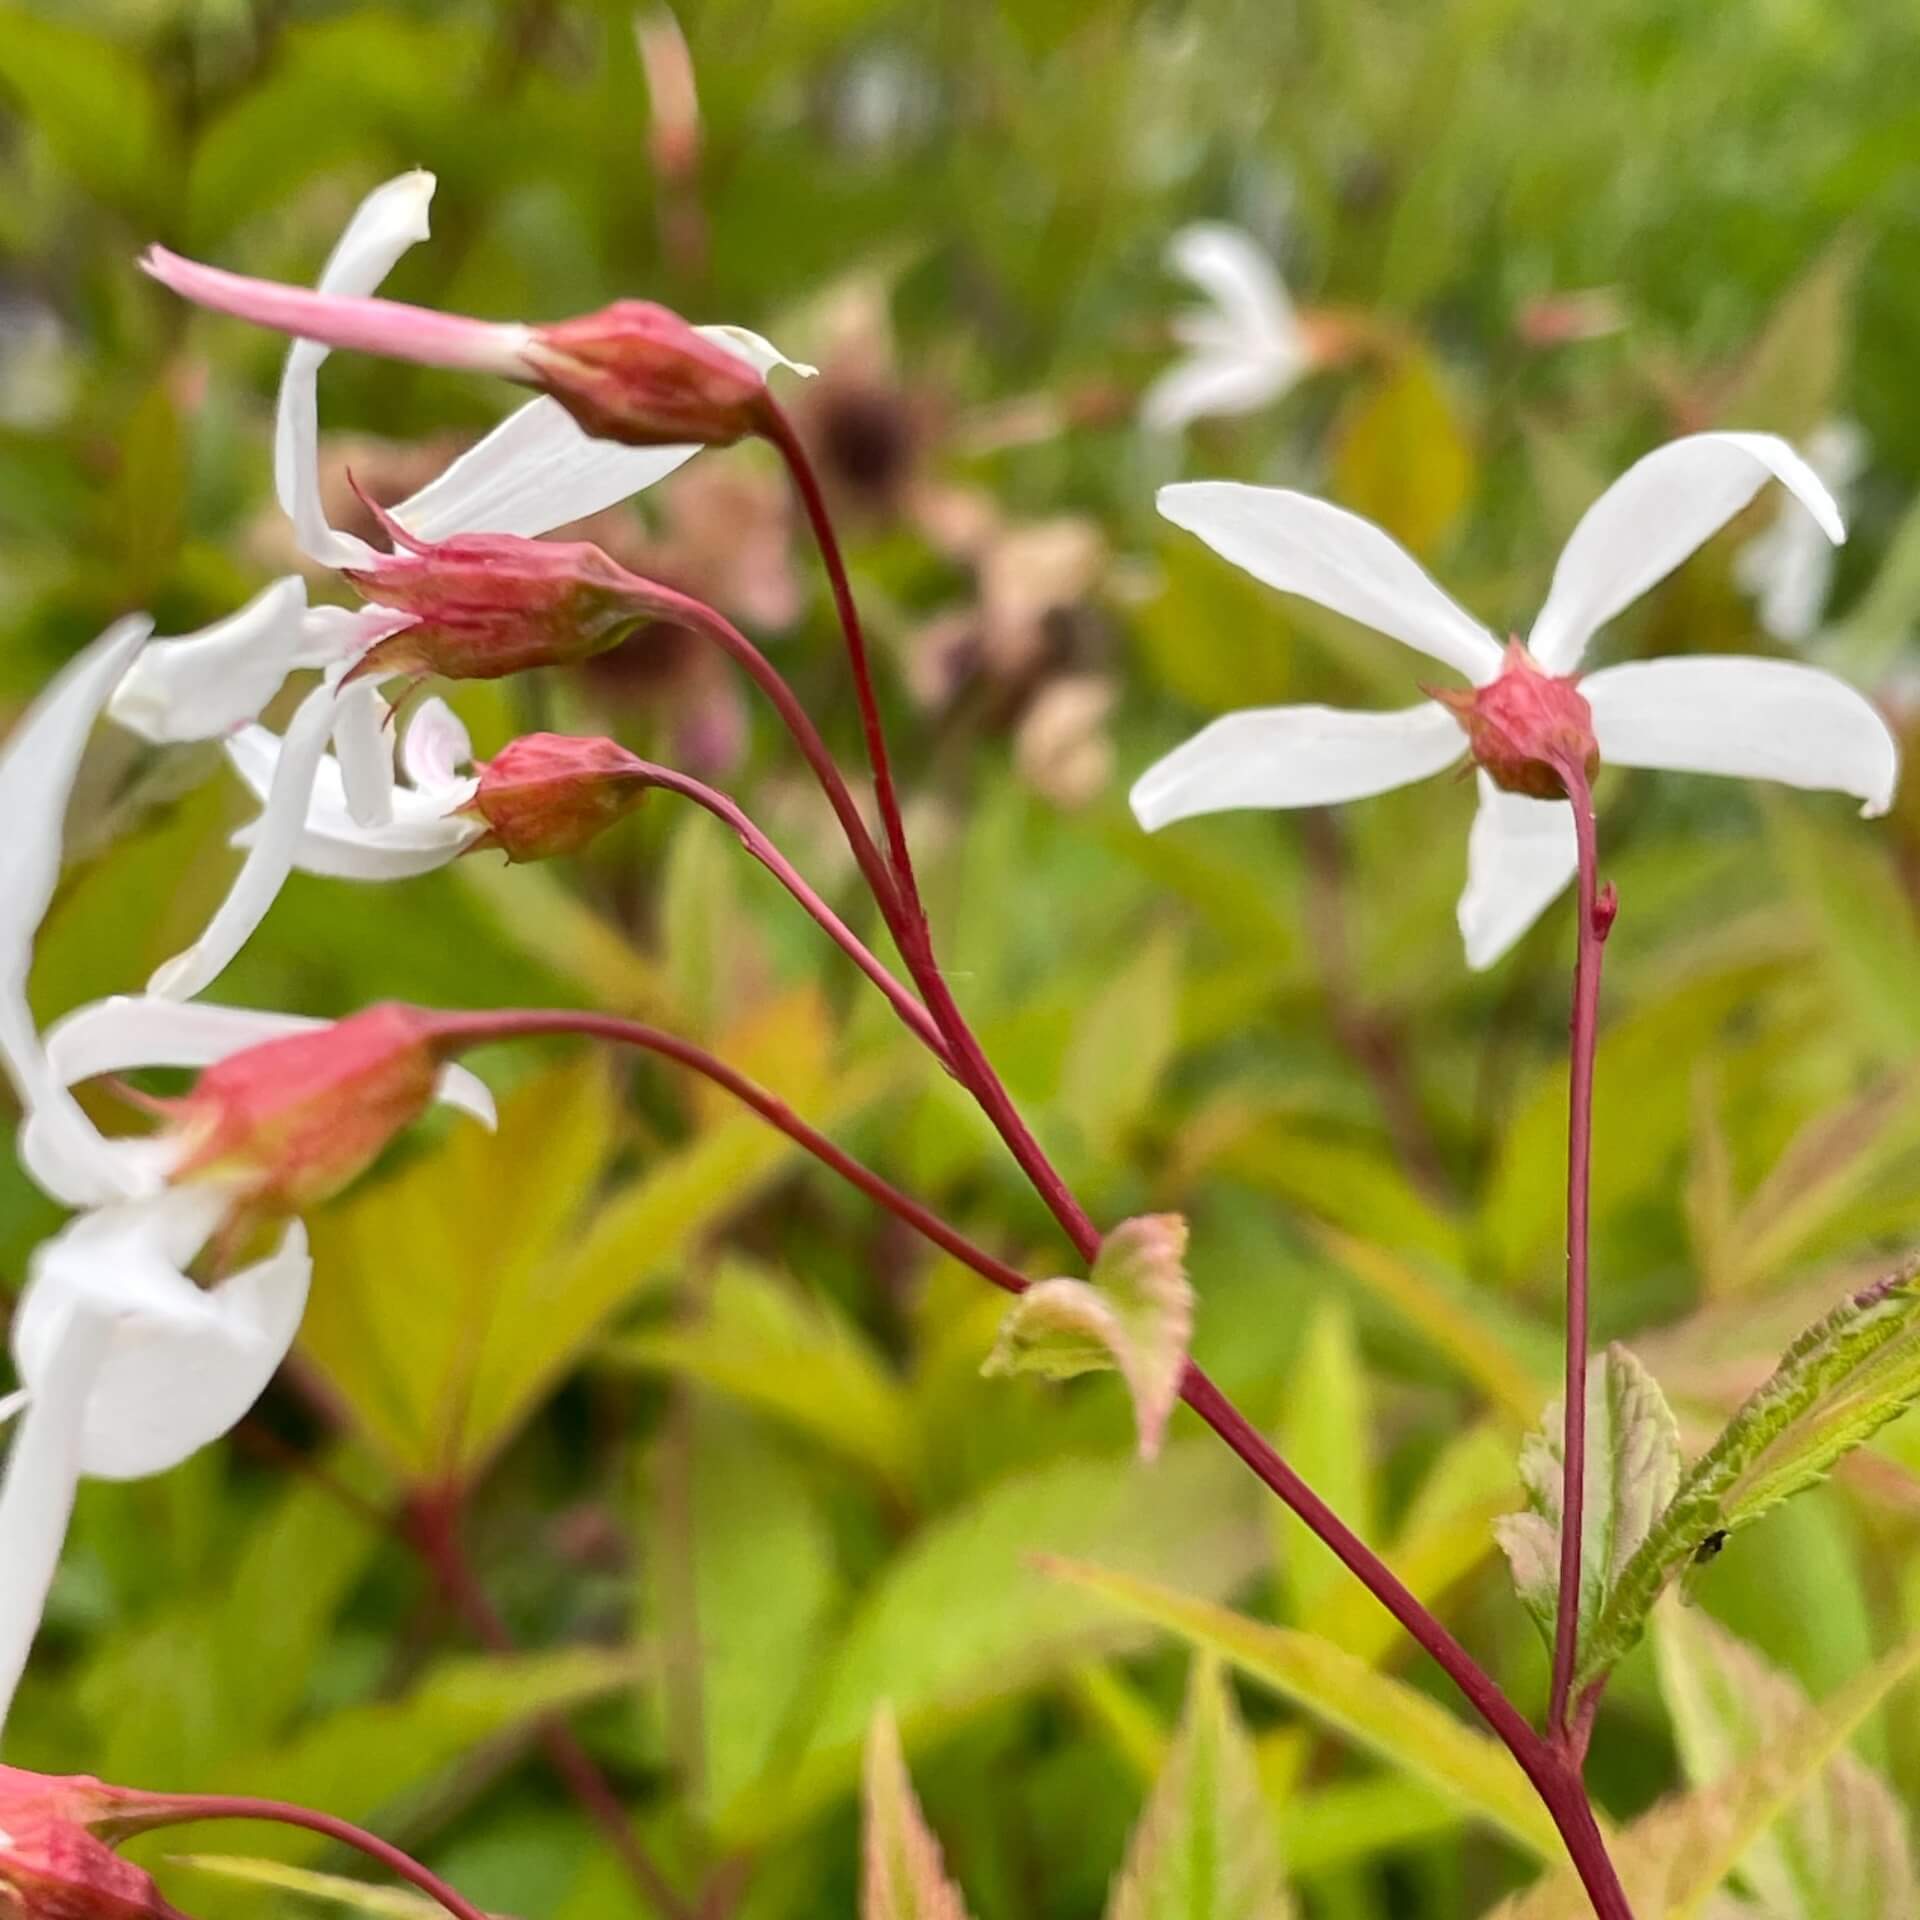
(290, 1122)
(1526, 724)
(486, 605)
(54, 1866)
(637, 373)
(551, 793)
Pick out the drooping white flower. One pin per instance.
(1245, 349)
(1762, 719)
(1788, 568)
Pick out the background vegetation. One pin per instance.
(728, 1464)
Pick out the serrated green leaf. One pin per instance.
(1842, 1850)
(1834, 1388)
(1389, 1718)
(1135, 1313)
(903, 1876)
(1632, 1469)
(1204, 1848)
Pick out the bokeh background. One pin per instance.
(726, 1458)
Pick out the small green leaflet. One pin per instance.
(1835, 1387)
(1633, 1467)
(1204, 1848)
(903, 1877)
(1135, 1313)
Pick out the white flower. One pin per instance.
(1245, 350)
(1788, 568)
(1764, 719)
(126, 1365)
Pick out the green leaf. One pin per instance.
(1632, 1469)
(332, 1889)
(1401, 458)
(1135, 1313)
(1326, 1435)
(97, 105)
(1842, 1850)
(903, 1876)
(1386, 1716)
(1835, 1387)
(1204, 1849)
(1791, 377)
(1122, 1043)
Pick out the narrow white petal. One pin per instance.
(1761, 719)
(436, 747)
(1296, 757)
(363, 745)
(389, 221)
(1520, 856)
(463, 1090)
(1220, 381)
(1323, 553)
(268, 861)
(11, 1405)
(1656, 514)
(755, 349)
(1234, 271)
(205, 684)
(535, 471)
(36, 1496)
(134, 1030)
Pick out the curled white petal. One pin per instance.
(1219, 381)
(1296, 757)
(42, 1475)
(1234, 271)
(463, 1090)
(755, 349)
(269, 859)
(1761, 719)
(1520, 856)
(436, 747)
(205, 684)
(389, 221)
(1325, 554)
(1656, 514)
(363, 746)
(535, 471)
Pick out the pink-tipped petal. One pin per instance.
(1520, 856)
(437, 746)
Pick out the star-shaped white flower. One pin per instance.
(1788, 568)
(1762, 719)
(1245, 349)
(126, 1365)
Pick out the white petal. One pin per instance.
(463, 1090)
(205, 684)
(403, 851)
(1220, 381)
(1296, 757)
(1304, 546)
(268, 861)
(1651, 519)
(42, 1474)
(363, 746)
(535, 471)
(1228, 265)
(389, 221)
(1761, 719)
(755, 349)
(437, 746)
(1520, 856)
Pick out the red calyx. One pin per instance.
(1525, 725)
(54, 1865)
(551, 793)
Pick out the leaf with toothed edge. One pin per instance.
(1135, 1313)
(904, 1876)
(1834, 1388)
(1633, 1467)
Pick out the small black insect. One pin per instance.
(1709, 1548)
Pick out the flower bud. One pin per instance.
(54, 1866)
(637, 373)
(1526, 724)
(551, 793)
(486, 605)
(290, 1122)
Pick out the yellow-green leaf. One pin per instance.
(903, 1876)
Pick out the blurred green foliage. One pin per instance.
(729, 1466)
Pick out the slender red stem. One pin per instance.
(1595, 918)
(911, 1012)
(145, 1812)
(434, 1528)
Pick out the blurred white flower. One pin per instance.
(1763, 719)
(1788, 568)
(1245, 349)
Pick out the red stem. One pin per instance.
(1595, 917)
(911, 1012)
(143, 1813)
